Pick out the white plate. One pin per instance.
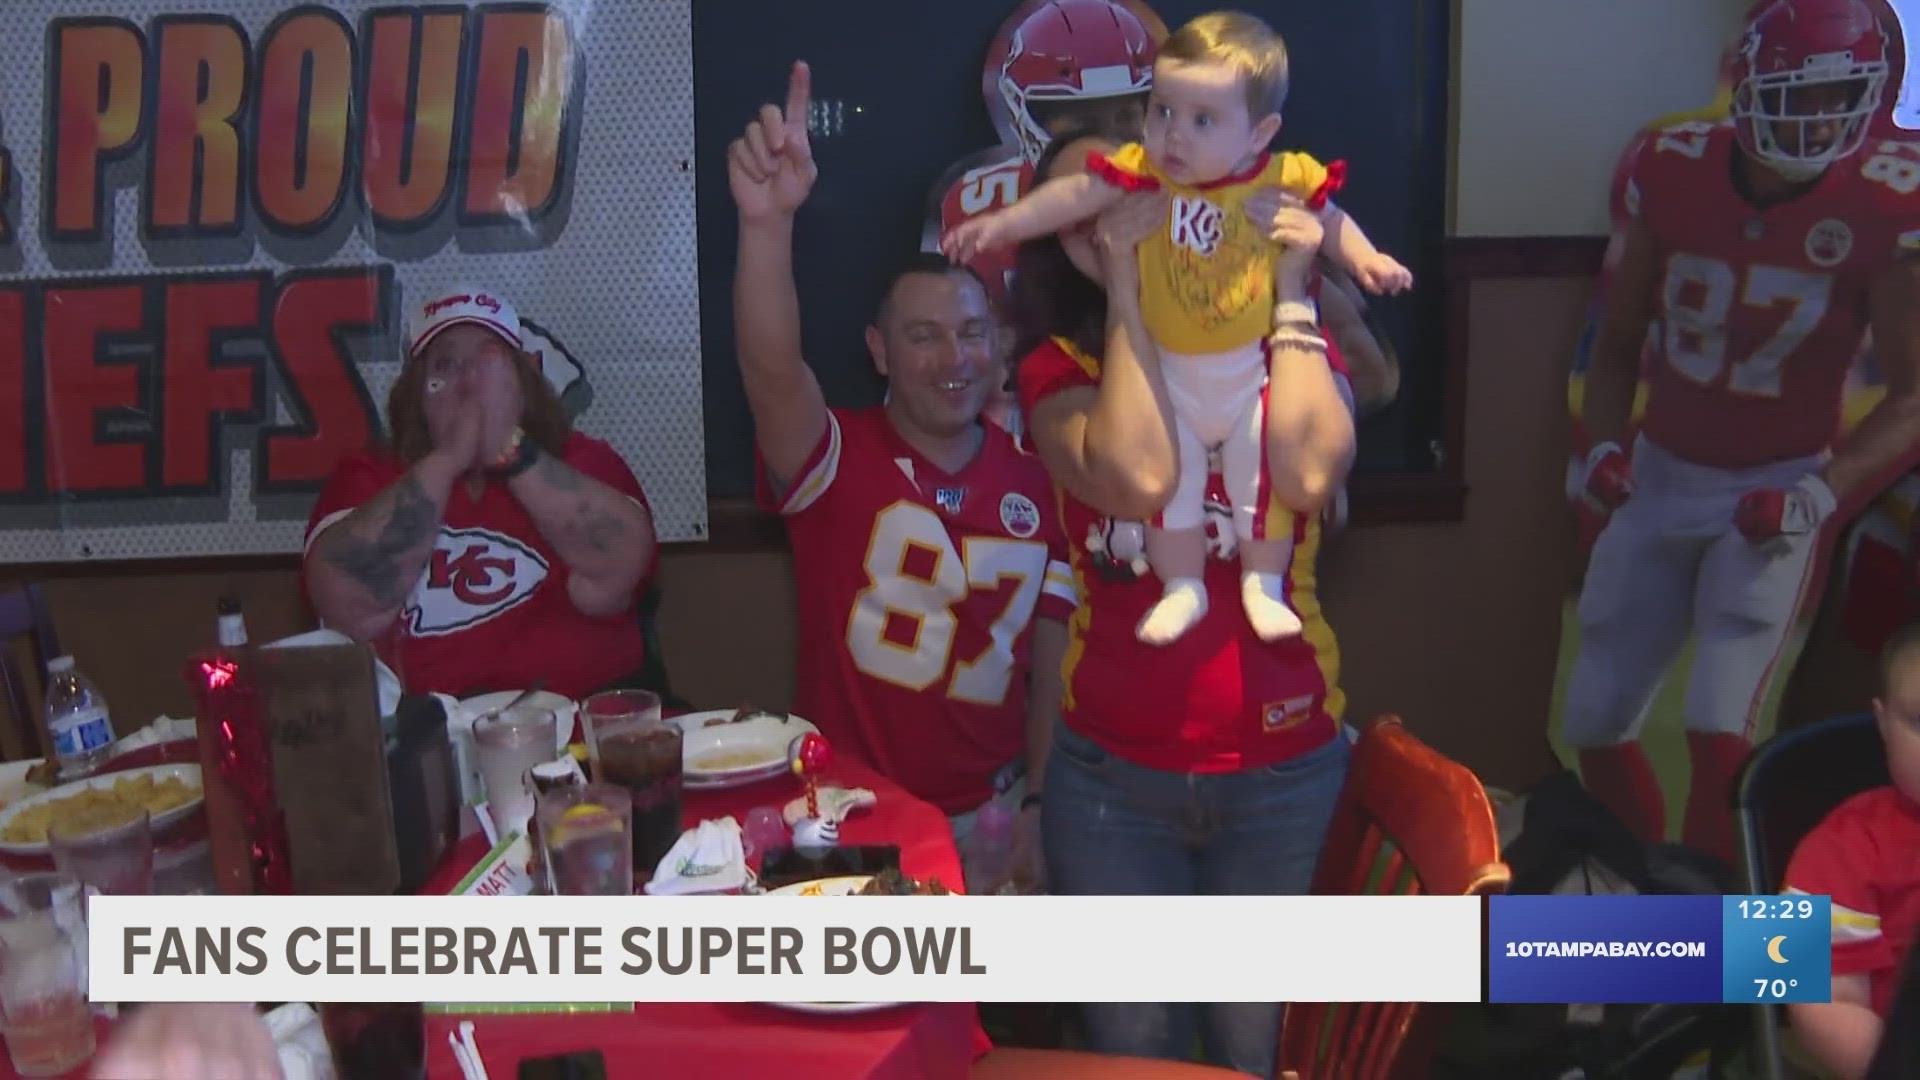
(736, 780)
(833, 886)
(837, 1008)
(753, 747)
(182, 770)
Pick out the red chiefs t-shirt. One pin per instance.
(1217, 700)
(1761, 312)
(1866, 856)
(491, 610)
(917, 590)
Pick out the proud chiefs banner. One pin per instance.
(214, 217)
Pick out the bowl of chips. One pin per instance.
(167, 793)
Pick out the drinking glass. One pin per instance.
(43, 991)
(111, 855)
(376, 1040)
(508, 744)
(630, 745)
(584, 830)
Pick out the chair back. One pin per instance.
(1409, 822)
(1793, 780)
(24, 613)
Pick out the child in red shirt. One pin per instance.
(1866, 856)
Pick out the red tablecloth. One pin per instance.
(914, 1042)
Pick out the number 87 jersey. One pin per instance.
(1760, 310)
(916, 592)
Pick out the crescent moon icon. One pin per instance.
(1773, 949)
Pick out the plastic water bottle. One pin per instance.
(987, 856)
(76, 718)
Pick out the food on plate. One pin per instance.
(895, 883)
(101, 806)
(44, 773)
(728, 760)
(745, 713)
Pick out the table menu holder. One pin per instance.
(503, 872)
(330, 768)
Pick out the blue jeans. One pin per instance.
(1114, 828)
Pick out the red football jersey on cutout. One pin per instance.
(995, 185)
(1866, 856)
(1761, 311)
(491, 610)
(916, 592)
(1217, 700)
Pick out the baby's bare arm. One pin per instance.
(1056, 204)
(1347, 243)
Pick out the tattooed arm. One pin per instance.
(361, 568)
(604, 536)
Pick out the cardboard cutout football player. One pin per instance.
(1759, 251)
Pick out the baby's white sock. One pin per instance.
(1182, 604)
(1263, 594)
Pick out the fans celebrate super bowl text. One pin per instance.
(488, 546)
(931, 583)
(1209, 765)
(1760, 250)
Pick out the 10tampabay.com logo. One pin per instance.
(1659, 949)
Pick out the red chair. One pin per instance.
(1410, 822)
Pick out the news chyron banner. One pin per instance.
(783, 948)
(1673, 950)
(216, 213)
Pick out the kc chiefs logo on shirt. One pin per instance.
(473, 575)
(1196, 223)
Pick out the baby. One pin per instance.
(1208, 293)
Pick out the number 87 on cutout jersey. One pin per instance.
(1760, 312)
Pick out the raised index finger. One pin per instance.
(799, 98)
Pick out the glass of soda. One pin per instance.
(630, 745)
(376, 1040)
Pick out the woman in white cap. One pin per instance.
(487, 545)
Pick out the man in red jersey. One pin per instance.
(930, 583)
(1761, 249)
(488, 546)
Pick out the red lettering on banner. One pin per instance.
(125, 387)
(200, 390)
(97, 69)
(193, 173)
(312, 109)
(80, 389)
(312, 312)
(413, 94)
(16, 439)
(522, 92)
(305, 101)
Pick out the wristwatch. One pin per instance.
(518, 457)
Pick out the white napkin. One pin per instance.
(707, 858)
(301, 1041)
